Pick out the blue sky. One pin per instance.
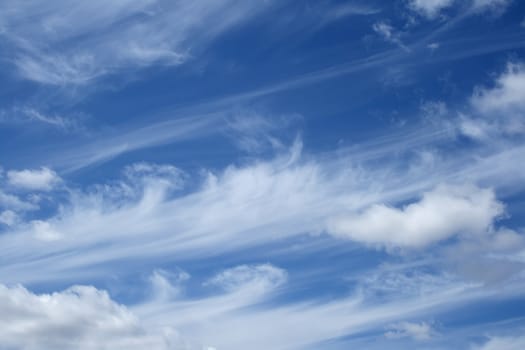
(226, 174)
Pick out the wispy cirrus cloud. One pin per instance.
(277, 250)
(502, 342)
(112, 143)
(418, 331)
(254, 204)
(389, 33)
(312, 323)
(429, 8)
(64, 43)
(432, 9)
(23, 115)
(497, 6)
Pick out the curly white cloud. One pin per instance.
(441, 213)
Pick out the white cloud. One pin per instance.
(430, 8)
(389, 33)
(26, 114)
(239, 207)
(404, 281)
(433, 46)
(15, 203)
(64, 43)
(43, 179)
(496, 6)
(112, 144)
(384, 29)
(232, 320)
(499, 109)
(417, 331)
(166, 174)
(255, 133)
(86, 318)
(244, 206)
(8, 217)
(506, 96)
(43, 230)
(440, 214)
(261, 277)
(348, 9)
(240, 287)
(167, 285)
(503, 343)
(81, 318)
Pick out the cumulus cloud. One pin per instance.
(80, 317)
(506, 96)
(417, 331)
(440, 214)
(42, 179)
(498, 109)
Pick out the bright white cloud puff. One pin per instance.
(440, 214)
(42, 179)
(80, 317)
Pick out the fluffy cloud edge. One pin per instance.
(43, 179)
(80, 317)
(440, 214)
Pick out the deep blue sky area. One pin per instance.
(285, 175)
